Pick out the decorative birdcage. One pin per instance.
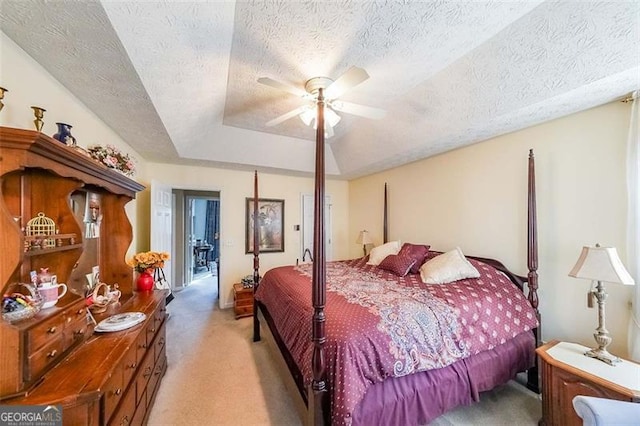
(42, 226)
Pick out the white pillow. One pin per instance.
(378, 254)
(447, 267)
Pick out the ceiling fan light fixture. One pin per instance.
(308, 115)
(331, 117)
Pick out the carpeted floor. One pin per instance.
(218, 376)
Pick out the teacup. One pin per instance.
(50, 293)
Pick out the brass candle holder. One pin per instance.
(2, 92)
(38, 113)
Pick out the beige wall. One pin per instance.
(235, 187)
(29, 84)
(475, 198)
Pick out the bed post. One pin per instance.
(385, 218)
(532, 264)
(256, 259)
(318, 390)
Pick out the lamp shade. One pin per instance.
(601, 264)
(364, 238)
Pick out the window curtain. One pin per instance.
(633, 224)
(212, 228)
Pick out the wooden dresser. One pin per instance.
(567, 372)
(55, 357)
(242, 301)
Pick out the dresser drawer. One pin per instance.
(130, 363)
(113, 391)
(48, 330)
(244, 302)
(158, 370)
(144, 374)
(244, 296)
(124, 415)
(74, 331)
(159, 344)
(76, 312)
(243, 311)
(38, 361)
(141, 346)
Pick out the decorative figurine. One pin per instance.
(2, 92)
(64, 134)
(38, 113)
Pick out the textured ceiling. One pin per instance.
(448, 73)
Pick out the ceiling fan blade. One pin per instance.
(285, 117)
(328, 130)
(357, 109)
(352, 77)
(282, 86)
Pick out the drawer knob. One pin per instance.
(125, 420)
(52, 353)
(152, 330)
(142, 346)
(132, 366)
(79, 332)
(51, 330)
(80, 311)
(118, 391)
(147, 372)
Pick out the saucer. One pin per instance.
(120, 322)
(49, 304)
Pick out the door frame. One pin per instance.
(182, 196)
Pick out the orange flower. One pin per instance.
(148, 260)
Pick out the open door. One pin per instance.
(307, 228)
(162, 224)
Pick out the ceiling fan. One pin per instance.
(331, 91)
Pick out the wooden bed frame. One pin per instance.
(317, 404)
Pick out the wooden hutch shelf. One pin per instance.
(55, 357)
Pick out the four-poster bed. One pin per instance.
(364, 374)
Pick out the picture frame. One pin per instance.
(271, 218)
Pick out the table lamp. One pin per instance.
(364, 239)
(601, 264)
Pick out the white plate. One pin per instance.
(120, 322)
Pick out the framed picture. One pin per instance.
(270, 225)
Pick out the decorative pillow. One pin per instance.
(418, 252)
(448, 267)
(399, 265)
(378, 254)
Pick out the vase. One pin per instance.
(145, 280)
(64, 134)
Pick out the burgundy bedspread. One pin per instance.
(379, 325)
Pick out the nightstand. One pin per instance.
(242, 301)
(566, 372)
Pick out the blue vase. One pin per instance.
(64, 134)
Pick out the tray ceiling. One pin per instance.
(178, 80)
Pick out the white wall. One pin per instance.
(235, 186)
(475, 197)
(29, 85)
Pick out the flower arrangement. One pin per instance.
(148, 260)
(113, 158)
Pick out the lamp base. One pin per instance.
(603, 355)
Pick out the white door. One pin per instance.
(307, 227)
(190, 239)
(162, 223)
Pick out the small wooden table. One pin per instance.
(567, 372)
(242, 301)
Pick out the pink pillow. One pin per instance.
(418, 252)
(399, 265)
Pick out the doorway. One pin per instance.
(198, 233)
